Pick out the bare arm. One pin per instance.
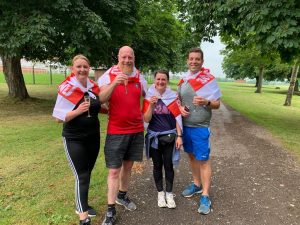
(214, 104)
(106, 90)
(148, 113)
(178, 142)
(83, 107)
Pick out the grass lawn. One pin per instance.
(43, 78)
(36, 183)
(267, 110)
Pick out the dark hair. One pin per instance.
(197, 50)
(163, 72)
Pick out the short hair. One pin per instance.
(163, 72)
(197, 50)
(80, 56)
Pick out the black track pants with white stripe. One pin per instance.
(82, 155)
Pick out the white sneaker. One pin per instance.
(161, 199)
(170, 200)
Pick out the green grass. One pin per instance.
(267, 109)
(43, 78)
(36, 183)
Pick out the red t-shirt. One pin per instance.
(125, 116)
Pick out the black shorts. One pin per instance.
(119, 147)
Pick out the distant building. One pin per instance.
(44, 67)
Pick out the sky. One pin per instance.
(212, 57)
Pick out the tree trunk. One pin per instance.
(288, 100)
(256, 81)
(14, 77)
(50, 70)
(296, 85)
(260, 79)
(33, 74)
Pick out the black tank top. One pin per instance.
(83, 126)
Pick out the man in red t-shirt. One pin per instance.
(122, 87)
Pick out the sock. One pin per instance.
(111, 207)
(122, 194)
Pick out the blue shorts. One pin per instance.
(196, 142)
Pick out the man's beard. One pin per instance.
(126, 69)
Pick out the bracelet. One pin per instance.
(208, 104)
(179, 135)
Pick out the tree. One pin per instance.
(120, 18)
(292, 85)
(237, 71)
(160, 38)
(249, 63)
(272, 25)
(43, 30)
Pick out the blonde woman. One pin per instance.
(77, 106)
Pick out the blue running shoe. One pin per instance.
(205, 204)
(190, 190)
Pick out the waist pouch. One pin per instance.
(166, 139)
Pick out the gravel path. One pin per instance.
(255, 181)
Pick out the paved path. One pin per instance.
(255, 181)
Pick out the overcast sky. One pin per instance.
(212, 57)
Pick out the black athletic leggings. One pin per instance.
(82, 155)
(162, 157)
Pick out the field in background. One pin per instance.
(45, 78)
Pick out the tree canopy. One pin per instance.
(269, 24)
(244, 63)
(160, 31)
(57, 30)
(160, 39)
(41, 30)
